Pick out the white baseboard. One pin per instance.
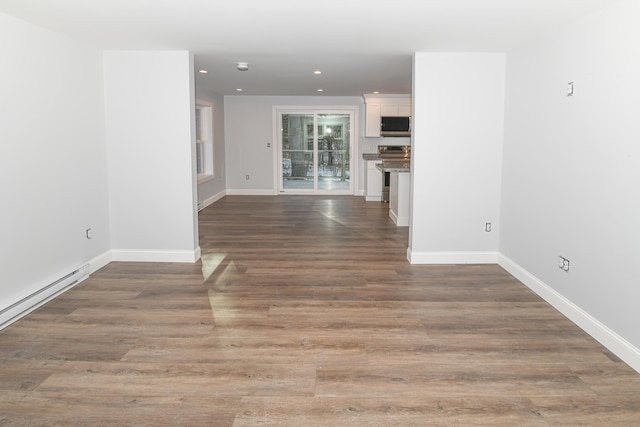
(211, 200)
(393, 217)
(100, 261)
(600, 332)
(608, 338)
(133, 255)
(232, 192)
(452, 257)
(241, 192)
(400, 221)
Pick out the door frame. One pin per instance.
(354, 164)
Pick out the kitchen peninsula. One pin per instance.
(387, 179)
(399, 189)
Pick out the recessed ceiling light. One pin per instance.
(203, 71)
(242, 66)
(239, 90)
(376, 92)
(320, 90)
(317, 72)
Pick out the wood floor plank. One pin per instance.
(448, 380)
(304, 311)
(168, 379)
(389, 411)
(77, 408)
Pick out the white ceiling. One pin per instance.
(361, 46)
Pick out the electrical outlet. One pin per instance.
(246, 177)
(89, 233)
(563, 263)
(487, 227)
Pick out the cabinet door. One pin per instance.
(373, 189)
(389, 110)
(372, 120)
(404, 110)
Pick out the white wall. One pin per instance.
(572, 171)
(53, 175)
(212, 190)
(150, 99)
(248, 129)
(458, 120)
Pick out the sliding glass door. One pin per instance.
(298, 160)
(315, 152)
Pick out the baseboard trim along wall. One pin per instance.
(612, 341)
(100, 261)
(135, 255)
(270, 192)
(452, 257)
(608, 338)
(211, 200)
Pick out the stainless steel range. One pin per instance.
(394, 152)
(392, 155)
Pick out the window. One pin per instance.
(204, 140)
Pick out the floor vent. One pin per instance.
(26, 305)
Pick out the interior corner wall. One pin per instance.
(572, 169)
(457, 136)
(149, 99)
(53, 168)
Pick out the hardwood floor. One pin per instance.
(305, 312)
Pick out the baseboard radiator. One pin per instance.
(45, 294)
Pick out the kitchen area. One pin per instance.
(387, 176)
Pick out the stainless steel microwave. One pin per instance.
(395, 126)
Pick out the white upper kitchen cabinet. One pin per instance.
(372, 119)
(378, 105)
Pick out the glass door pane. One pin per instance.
(298, 147)
(334, 132)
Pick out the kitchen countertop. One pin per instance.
(394, 166)
(370, 156)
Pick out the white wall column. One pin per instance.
(149, 99)
(458, 116)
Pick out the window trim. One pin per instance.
(206, 133)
